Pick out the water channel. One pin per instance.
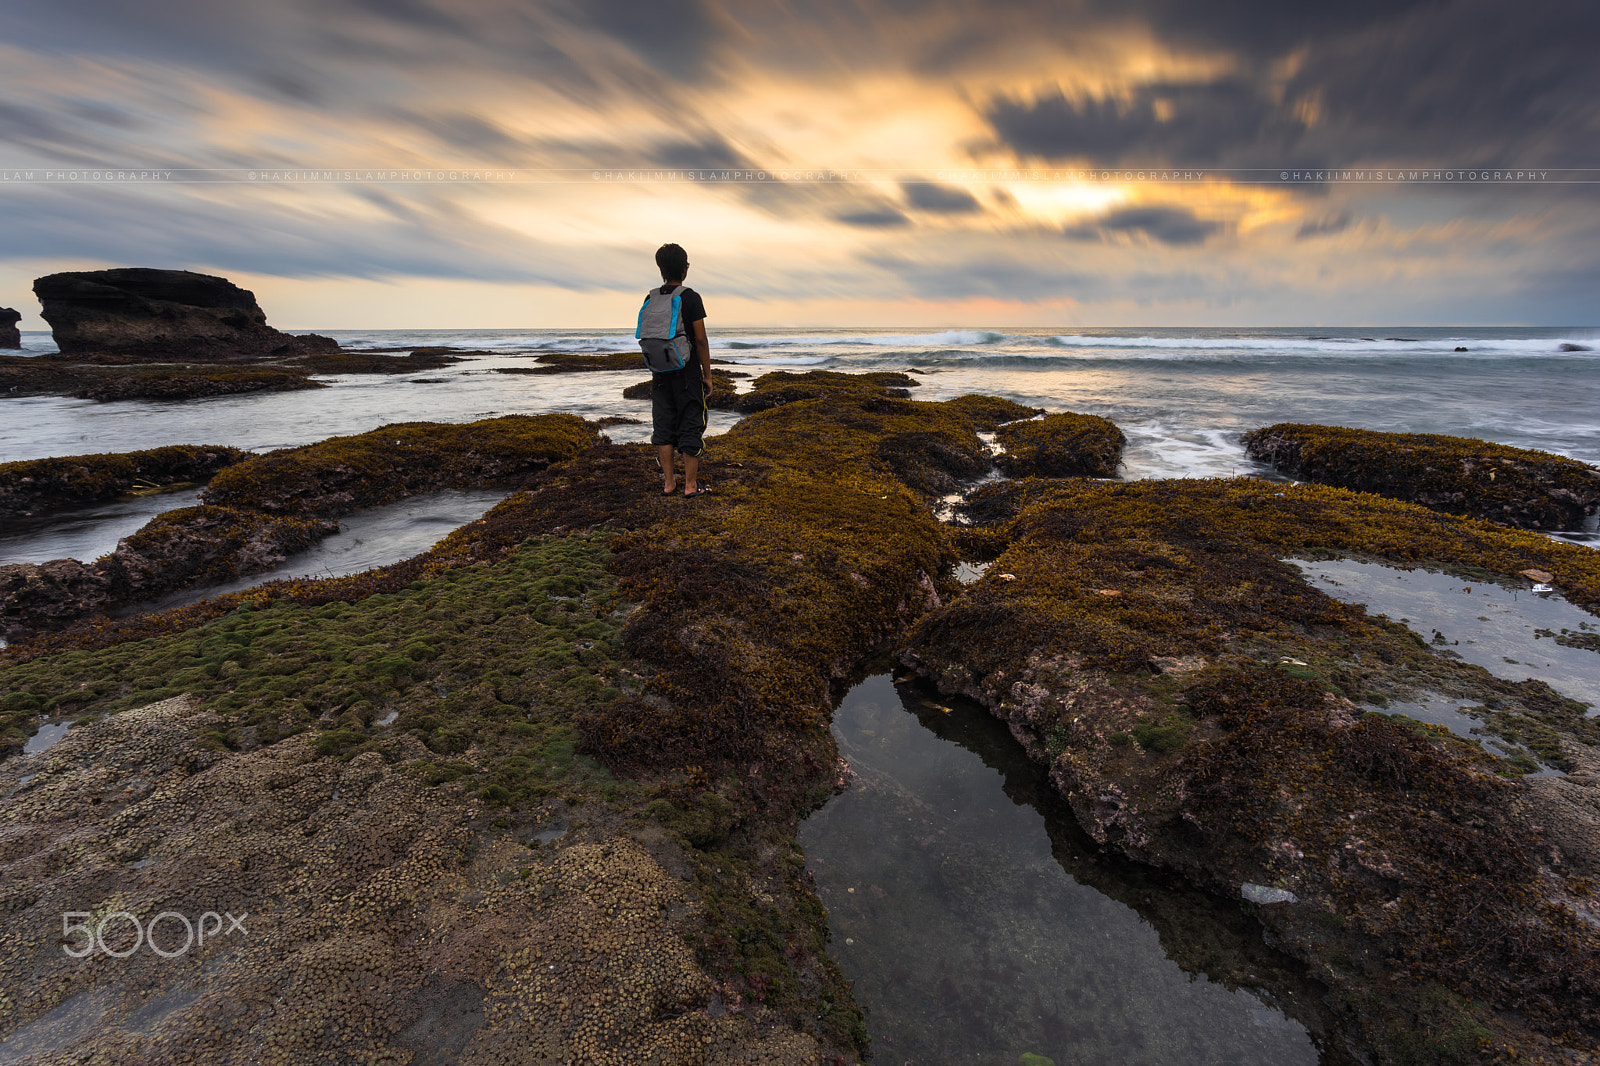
(980, 926)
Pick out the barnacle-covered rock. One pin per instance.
(1458, 475)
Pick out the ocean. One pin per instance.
(1182, 396)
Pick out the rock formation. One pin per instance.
(9, 335)
(162, 314)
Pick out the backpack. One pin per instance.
(661, 334)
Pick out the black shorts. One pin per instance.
(678, 409)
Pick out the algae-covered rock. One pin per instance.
(106, 378)
(281, 502)
(723, 396)
(32, 485)
(1200, 706)
(1061, 445)
(189, 383)
(377, 362)
(781, 387)
(177, 549)
(1458, 475)
(991, 412)
(341, 474)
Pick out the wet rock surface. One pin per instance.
(1199, 706)
(10, 336)
(1457, 475)
(143, 312)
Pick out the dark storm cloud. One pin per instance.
(1177, 124)
(939, 199)
(676, 38)
(1166, 225)
(1468, 83)
(1256, 27)
(1471, 84)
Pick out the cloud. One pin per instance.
(1177, 124)
(129, 227)
(873, 218)
(1337, 222)
(939, 199)
(1167, 225)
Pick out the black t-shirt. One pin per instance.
(691, 309)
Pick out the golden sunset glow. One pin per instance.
(804, 157)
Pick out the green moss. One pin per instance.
(282, 668)
(1458, 475)
(1165, 737)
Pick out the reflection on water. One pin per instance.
(978, 925)
(376, 536)
(1510, 632)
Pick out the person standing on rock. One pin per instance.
(672, 334)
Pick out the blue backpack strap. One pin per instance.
(677, 298)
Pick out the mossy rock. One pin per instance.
(781, 387)
(341, 474)
(723, 395)
(1061, 445)
(1457, 475)
(33, 485)
(188, 383)
(1140, 637)
(376, 362)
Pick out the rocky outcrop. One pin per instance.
(724, 395)
(33, 485)
(1202, 708)
(1458, 475)
(174, 550)
(108, 378)
(272, 506)
(163, 314)
(10, 337)
(1060, 445)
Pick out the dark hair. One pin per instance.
(673, 261)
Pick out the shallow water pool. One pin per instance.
(978, 925)
(1510, 632)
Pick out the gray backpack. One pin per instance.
(661, 333)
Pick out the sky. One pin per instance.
(411, 164)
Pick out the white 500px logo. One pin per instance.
(195, 933)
